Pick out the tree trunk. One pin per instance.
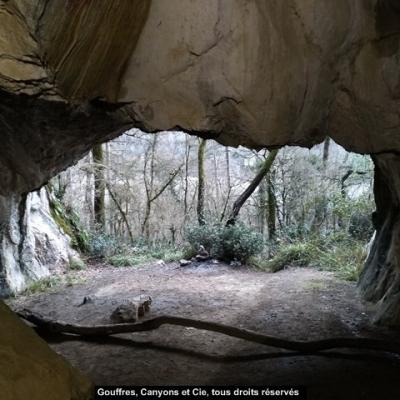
(149, 185)
(99, 187)
(325, 155)
(186, 188)
(266, 166)
(262, 205)
(271, 210)
(228, 184)
(121, 211)
(201, 184)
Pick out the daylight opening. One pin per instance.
(144, 198)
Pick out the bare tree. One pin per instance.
(152, 194)
(99, 187)
(186, 187)
(201, 182)
(271, 208)
(228, 183)
(263, 171)
(122, 212)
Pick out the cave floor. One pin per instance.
(303, 304)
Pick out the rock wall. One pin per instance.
(32, 245)
(380, 278)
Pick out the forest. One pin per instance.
(158, 197)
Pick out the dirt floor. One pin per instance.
(302, 304)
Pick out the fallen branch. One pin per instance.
(49, 337)
(251, 336)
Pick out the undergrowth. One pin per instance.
(76, 264)
(51, 283)
(233, 242)
(340, 254)
(132, 256)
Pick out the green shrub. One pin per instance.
(226, 242)
(124, 260)
(102, 245)
(239, 242)
(208, 235)
(167, 253)
(345, 259)
(360, 226)
(337, 253)
(126, 256)
(76, 264)
(52, 282)
(43, 285)
(298, 254)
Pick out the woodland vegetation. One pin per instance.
(144, 197)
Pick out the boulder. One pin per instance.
(29, 369)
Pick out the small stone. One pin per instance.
(235, 263)
(86, 300)
(125, 313)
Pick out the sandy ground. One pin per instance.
(303, 304)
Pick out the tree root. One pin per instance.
(251, 336)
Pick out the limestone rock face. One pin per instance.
(29, 369)
(380, 278)
(32, 245)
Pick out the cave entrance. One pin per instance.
(288, 268)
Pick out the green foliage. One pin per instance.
(208, 235)
(167, 253)
(345, 207)
(128, 256)
(102, 245)
(294, 232)
(43, 285)
(51, 283)
(125, 260)
(76, 264)
(70, 223)
(239, 242)
(232, 242)
(345, 259)
(298, 254)
(338, 253)
(360, 226)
